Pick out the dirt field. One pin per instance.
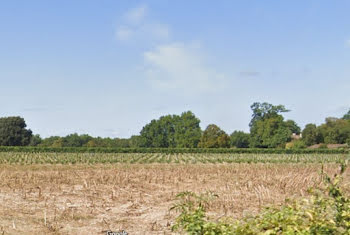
(90, 199)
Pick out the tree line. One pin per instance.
(268, 129)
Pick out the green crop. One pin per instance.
(30, 149)
(148, 158)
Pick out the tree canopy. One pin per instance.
(311, 135)
(293, 126)
(239, 139)
(270, 133)
(172, 131)
(265, 110)
(187, 131)
(335, 131)
(13, 132)
(214, 137)
(347, 116)
(268, 128)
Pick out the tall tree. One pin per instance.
(13, 132)
(270, 133)
(172, 131)
(311, 135)
(214, 137)
(35, 140)
(265, 110)
(239, 139)
(335, 131)
(268, 128)
(293, 126)
(187, 131)
(159, 133)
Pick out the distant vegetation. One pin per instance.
(268, 129)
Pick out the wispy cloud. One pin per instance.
(347, 43)
(169, 66)
(136, 25)
(136, 15)
(124, 33)
(157, 30)
(180, 67)
(154, 31)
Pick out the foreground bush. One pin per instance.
(325, 211)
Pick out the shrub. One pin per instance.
(296, 144)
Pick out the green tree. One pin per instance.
(293, 126)
(270, 133)
(159, 133)
(105, 142)
(13, 132)
(122, 143)
(187, 131)
(347, 116)
(49, 141)
(239, 139)
(335, 131)
(91, 143)
(35, 140)
(172, 131)
(311, 135)
(214, 137)
(265, 110)
(268, 128)
(75, 140)
(58, 143)
(135, 141)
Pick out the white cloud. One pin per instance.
(136, 15)
(153, 32)
(135, 25)
(180, 67)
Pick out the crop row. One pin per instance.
(30, 149)
(146, 158)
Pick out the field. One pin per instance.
(147, 158)
(91, 193)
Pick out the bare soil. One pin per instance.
(90, 199)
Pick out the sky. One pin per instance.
(107, 68)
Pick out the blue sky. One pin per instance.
(107, 68)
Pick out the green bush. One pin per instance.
(325, 211)
(296, 144)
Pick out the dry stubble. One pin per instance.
(82, 199)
